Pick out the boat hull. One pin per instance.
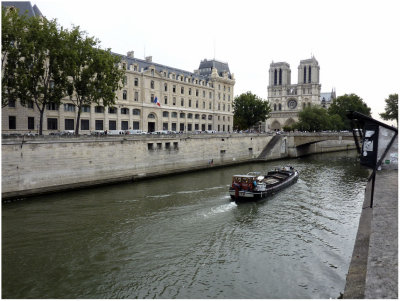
(251, 196)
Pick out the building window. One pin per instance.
(124, 111)
(182, 90)
(52, 106)
(136, 112)
(124, 95)
(274, 106)
(136, 96)
(190, 103)
(209, 117)
(112, 125)
(136, 82)
(203, 117)
(165, 87)
(152, 84)
(173, 127)
(182, 102)
(174, 88)
(305, 75)
(124, 125)
(174, 115)
(181, 115)
(280, 76)
(69, 107)
(124, 80)
(165, 100)
(174, 101)
(165, 126)
(197, 103)
(85, 109)
(275, 77)
(309, 74)
(12, 122)
(112, 110)
(31, 123)
(197, 116)
(151, 116)
(280, 107)
(135, 125)
(84, 124)
(190, 91)
(52, 123)
(165, 114)
(69, 124)
(190, 116)
(99, 125)
(29, 104)
(11, 103)
(99, 109)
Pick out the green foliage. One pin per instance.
(313, 119)
(391, 108)
(94, 72)
(42, 63)
(348, 102)
(40, 70)
(249, 109)
(12, 26)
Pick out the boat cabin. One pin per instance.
(244, 181)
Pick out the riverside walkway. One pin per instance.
(373, 271)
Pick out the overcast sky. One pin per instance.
(355, 42)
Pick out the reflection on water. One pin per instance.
(181, 237)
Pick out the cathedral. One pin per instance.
(288, 100)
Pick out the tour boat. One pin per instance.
(255, 186)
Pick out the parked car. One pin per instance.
(115, 132)
(135, 132)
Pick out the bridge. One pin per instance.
(297, 144)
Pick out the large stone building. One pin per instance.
(187, 101)
(288, 100)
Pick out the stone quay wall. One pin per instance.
(35, 165)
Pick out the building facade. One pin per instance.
(154, 97)
(288, 100)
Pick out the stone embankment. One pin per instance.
(35, 165)
(373, 272)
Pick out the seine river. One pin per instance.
(181, 237)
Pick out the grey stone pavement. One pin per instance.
(373, 272)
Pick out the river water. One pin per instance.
(181, 237)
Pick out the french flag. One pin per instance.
(157, 102)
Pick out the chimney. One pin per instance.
(149, 59)
(130, 54)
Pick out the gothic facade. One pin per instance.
(287, 99)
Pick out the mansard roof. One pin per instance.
(23, 6)
(145, 64)
(206, 66)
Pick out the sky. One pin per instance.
(355, 42)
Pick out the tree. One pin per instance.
(313, 119)
(40, 70)
(348, 102)
(391, 108)
(249, 109)
(12, 26)
(94, 73)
